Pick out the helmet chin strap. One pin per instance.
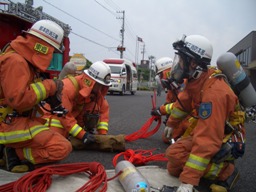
(197, 72)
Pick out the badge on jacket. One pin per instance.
(205, 110)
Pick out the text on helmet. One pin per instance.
(48, 32)
(93, 72)
(166, 63)
(195, 49)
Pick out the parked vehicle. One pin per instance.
(18, 17)
(123, 76)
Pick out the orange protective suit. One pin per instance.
(79, 101)
(21, 91)
(166, 109)
(190, 157)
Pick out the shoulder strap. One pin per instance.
(74, 81)
(213, 77)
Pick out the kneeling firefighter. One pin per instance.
(26, 139)
(84, 97)
(217, 138)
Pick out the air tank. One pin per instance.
(240, 83)
(131, 179)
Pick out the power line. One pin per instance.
(105, 8)
(81, 20)
(89, 40)
(113, 4)
(94, 42)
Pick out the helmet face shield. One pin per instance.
(177, 71)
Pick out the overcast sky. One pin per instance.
(96, 24)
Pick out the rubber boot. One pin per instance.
(2, 162)
(13, 163)
(228, 184)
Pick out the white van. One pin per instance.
(124, 76)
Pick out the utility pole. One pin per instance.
(121, 48)
(151, 61)
(143, 51)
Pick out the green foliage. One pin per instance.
(143, 74)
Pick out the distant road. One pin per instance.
(129, 112)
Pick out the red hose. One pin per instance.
(40, 179)
(139, 157)
(144, 132)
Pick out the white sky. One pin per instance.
(158, 22)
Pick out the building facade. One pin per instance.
(245, 50)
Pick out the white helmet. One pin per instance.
(163, 64)
(197, 47)
(48, 31)
(100, 72)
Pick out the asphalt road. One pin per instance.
(128, 113)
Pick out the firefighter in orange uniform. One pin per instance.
(26, 139)
(216, 141)
(163, 68)
(84, 97)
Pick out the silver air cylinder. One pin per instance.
(131, 179)
(240, 83)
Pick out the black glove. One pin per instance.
(88, 138)
(156, 112)
(59, 88)
(55, 100)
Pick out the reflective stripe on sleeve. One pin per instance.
(102, 125)
(178, 114)
(75, 130)
(39, 90)
(168, 108)
(214, 171)
(197, 163)
(21, 135)
(27, 152)
(53, 123)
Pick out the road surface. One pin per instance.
(129, 112)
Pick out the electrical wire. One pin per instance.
(80, 20)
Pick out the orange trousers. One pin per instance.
(178, 154)
(46, 147)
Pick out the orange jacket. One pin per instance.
(19, 66)
(78, 102)
(220, 103)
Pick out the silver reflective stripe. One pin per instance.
(39, 90)
(197, 162)
(21, 135)
(214, 171)
(178, 114)
(102, 125)
(75, 130)
(27, 152)
(53, 123)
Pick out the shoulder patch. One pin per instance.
(87, 82)
(41, 48)
(205, 110)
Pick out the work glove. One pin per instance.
(168, 132)
(59, 88)
(55, 100)
(185, 188)
(156, 112)
(88, 138)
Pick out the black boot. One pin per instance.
(1, 155)
(13, 162)
(229, 183)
